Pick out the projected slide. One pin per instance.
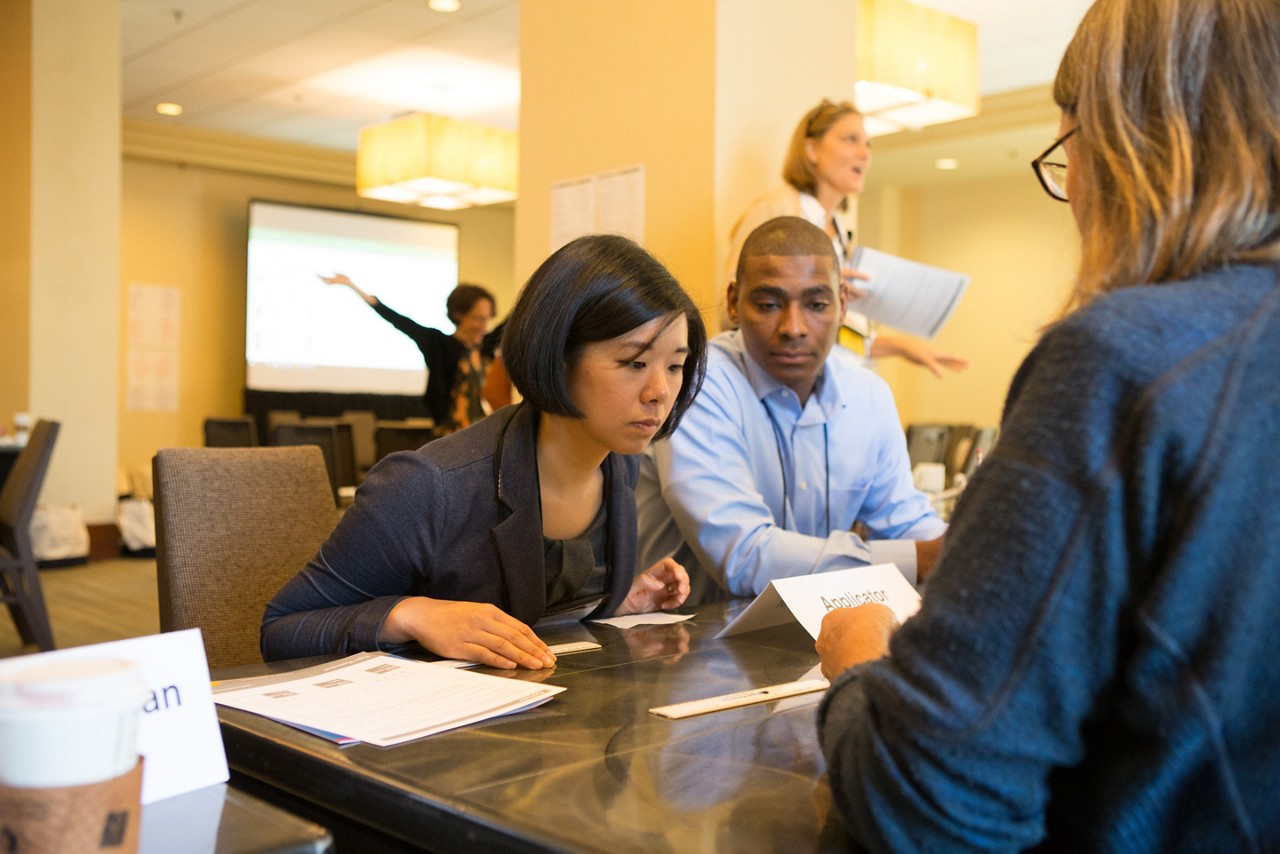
(304, 335)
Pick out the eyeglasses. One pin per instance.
(1053, 173)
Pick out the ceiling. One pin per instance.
(316, 71)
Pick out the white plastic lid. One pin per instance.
(70, 683)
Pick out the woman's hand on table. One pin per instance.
(471, 631)
(663, 586)
(851, 636)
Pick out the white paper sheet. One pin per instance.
(654, 618)
(381, 699)
(912, 297)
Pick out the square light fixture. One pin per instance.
(916, 66)
(437, 162)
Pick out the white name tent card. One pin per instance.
(807, 598)
(178, 734)
(907, 295)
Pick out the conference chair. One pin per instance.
(276, 417)
(364, 422)
(959, 440)
(19, 575)
(984, 439)
(232, 526)
(345, 468)
(391, 436)
(238, 432)
(339, 459)
(927, 443)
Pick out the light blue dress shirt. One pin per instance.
(762, 488)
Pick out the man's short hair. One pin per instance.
(787, 235)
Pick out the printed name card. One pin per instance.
(178, 733)
(807, 598)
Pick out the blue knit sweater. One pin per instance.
(1091, 669)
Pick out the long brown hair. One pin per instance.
(1178, 108)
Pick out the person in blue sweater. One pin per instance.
(1092, 668)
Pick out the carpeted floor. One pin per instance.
(96, 602)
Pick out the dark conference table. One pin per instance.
(591, 770)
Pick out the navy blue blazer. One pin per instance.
(460, 519)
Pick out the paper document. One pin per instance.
(652, 618)
(749, 697)
(909, 296)
(379, 698)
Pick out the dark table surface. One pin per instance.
(221, 820)
(592, 770)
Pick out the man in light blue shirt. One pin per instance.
(789, 442)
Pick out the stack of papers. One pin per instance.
(909, 296)
(380, 699)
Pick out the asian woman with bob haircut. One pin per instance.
(527, 518)
(1091, 668)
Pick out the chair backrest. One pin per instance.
(984, 439)
(22, 489)
(391, 437)
(363, 423)
(230, 432)
(276, 417)
(959, 440)
(344, 449)
(232, 526)
(927, 443)
(325, 436)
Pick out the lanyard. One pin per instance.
(786, 464)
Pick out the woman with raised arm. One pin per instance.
(1092, 668)
(528, 517)
(456, 363)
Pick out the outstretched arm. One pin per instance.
(341, 279)
(917, 352)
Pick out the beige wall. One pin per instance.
(185, 227)
(75, 244)
(703, 93)
(1020, 249)
(760, 98)
(629, 83)
(15, 207)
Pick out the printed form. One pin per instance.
(380, 699)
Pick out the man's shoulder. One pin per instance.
(850, 372)
(725, 361)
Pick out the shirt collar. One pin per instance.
(825, 394)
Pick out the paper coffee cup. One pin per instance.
(69, 722)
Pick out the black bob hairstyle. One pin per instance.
(595, 288)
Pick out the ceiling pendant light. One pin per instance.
(436, 161)
(916, 66)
